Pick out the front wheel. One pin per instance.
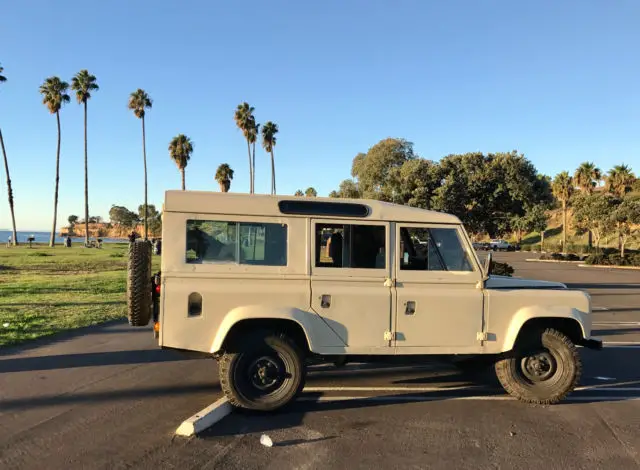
(267, 372)
(543, 369)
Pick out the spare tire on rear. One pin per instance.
(139, 294)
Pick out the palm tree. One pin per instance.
(562, 187)
(139, 102)
(311, 192)
(246, 122)
(83, 84)
(54, 92)
(299, 193)
(620, 180)
(14, 238)
(224, 175)
(269, 132)
(180, 150)
(254, 132)
(587, 176)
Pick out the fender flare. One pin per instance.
(308, 322)
(529, 313)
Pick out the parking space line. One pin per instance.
(599, 309)
(622, 344)
(617, 323)
(419, 398)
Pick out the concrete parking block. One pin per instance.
(205, 418)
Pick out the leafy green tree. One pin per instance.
(348, 189)
(246, 122)
(593, 212)
(120, 215)
(54, 96)
(587, 176)
(620, 180)
(139, 102)
(299, 193)
(72, 220)
(151, 211)
(224, 175)
(269, 131)
(538, 220)
(180, 150)
(374, 171)
(562, 190)
(14, 238)
(520, 224)
(83, 83)
(311, 192)
(626, 218)
(415, 182)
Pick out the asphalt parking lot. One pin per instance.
(108, 398)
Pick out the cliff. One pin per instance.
(102, 230)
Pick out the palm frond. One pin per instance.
(180, 150)
(54, 93)
(139, 102)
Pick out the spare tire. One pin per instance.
(139, 293)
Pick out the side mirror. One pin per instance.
(488, 264)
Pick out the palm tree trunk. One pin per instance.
(144, 158)
(182, 176)
(86, 181)
(253, 165)
(10, 191)
(564, 226)
(52, 240)
(542, 241)
(250, 168)
(273, 174)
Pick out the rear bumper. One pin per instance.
(592, 343)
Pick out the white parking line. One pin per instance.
(600, 388)
(622, 344)
(408, 398)
(599, 309)
(617, 323)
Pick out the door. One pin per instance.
(439, 302)
(350, 281)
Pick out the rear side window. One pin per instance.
(221, 242)
(350, 246)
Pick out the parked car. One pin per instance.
(396, 283)
(501, 245)
(481, 246)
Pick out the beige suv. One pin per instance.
(268, 284)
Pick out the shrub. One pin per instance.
(501, 269)
(526, 248)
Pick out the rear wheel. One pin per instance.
(139, 293)
(543, 369)
(266, 373)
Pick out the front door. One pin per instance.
(439, 303)
(350, 281)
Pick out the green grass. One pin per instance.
(48, 290)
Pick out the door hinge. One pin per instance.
(482, 336)
(389, 336)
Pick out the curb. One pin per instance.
(531, 260)
(603, 266)
(205, 418)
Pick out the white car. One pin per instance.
(500, 245)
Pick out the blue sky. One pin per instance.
(559, 81)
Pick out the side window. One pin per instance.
(432, 249)
(350, 246)
(212, 241)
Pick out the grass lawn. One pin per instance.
(46, 290)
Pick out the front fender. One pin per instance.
(316, 331)
(534, 312)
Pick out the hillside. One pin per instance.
(102, 230)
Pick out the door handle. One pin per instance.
(325, 301)
(410, 308)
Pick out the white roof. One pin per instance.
(210, 202)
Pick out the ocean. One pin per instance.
(43, 237)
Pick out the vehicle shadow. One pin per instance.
(69, 361)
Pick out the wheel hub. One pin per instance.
(265, 373)
(539, 367)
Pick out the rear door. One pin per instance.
(350, 281)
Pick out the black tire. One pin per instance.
(282, 365)
(139, 294)
(543, 369)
